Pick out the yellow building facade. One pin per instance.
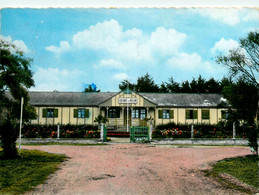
(127, 107)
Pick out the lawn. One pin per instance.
(244, 169)
(20, 175)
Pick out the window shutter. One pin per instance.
(44, 113)
(55, 113)
(75, 113)
(117, 113)
(86, 113)
(195, 114)
(188, 114)
(205, 114)
(160, 113)
(171, 114)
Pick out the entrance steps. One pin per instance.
(119, 132)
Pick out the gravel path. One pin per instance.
(135, 169)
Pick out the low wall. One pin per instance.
(196, 141)
(216, 142)
(55, 140)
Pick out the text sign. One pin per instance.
(128, 100)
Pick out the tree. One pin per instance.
(146, 84)
(172, 86)
(163, 88)
(100, 119)
(244, 62)
(126, 84)
(213, 86)
(15, 77)
(243, 97)
(185, 87)
(91, 88)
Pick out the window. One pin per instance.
(166, 114)
(191, 114)
(114, 113)
(142, 113)
(135, 113)
(224, 114)
(81, 113)
(50, 113)
(205, 114)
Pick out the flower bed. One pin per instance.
(66, 131)
(221, 130)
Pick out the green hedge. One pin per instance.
(220, 130)
(66, 131)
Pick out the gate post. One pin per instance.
(58, 131)
(101, 131)
(150, 131)
(192, 131)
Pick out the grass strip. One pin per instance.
(63, 144)
(18, 176)
(244, 169)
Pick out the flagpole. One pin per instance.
(20, 133)
(127, 106)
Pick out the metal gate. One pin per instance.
(139, 134)
(104, 133)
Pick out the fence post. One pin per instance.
(101, 131)
(58, 131)
(150, 131)
(192, 131)
(234, 130)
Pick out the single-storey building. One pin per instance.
(127, 106)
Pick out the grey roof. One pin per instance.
(185, 100)
(94, 99)
(68, 98)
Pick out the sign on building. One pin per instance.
(128, 100)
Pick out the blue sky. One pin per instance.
(74, 47)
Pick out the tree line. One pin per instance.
(146, 83)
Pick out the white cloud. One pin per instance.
(251, 15)
(134, 33)
(231, 16)
(189, 62)
(63, 46)
(104, 35)
(131, 44)
(110, 63)
(185, 61)
(228, 16)
(19, 44)
(166, 41)
(120, 76)
(224, 46)
(50, 79)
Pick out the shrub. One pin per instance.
(9, 132)
(173, 130)
(66, 131)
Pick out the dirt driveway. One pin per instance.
(135, 169)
